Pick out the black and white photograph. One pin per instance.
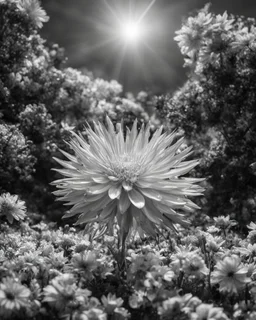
(127, 160)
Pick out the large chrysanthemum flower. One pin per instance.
(134, 179)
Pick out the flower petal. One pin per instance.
(143, 223)
(100, 179)
(126, 185)
(108, 210)
(152, 194)
(136, 198)
(84, 218)
(115, 191)
(124, 202)
(69, 214)
(151, 214)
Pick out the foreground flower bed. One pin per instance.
(202, 273)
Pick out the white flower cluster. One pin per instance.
(203, 38)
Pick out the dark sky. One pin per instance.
(85, 27)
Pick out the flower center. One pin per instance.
(126, 168)
(10, 296)
(6, 208)
(231, 274)
(194, 267)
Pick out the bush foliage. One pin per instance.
(41, 100)
(216, 108)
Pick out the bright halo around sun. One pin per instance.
(131, 31)
(128, 25)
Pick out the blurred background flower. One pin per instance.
(11, 207)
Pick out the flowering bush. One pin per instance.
(41, 100)
(216, 108)
(16, 159)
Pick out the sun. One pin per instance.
(128, 24)
(131, 31)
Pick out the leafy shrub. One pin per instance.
(41, 100)
(216, 107)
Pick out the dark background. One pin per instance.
(83, 27)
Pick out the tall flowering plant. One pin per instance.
(128, 178)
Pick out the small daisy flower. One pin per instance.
(251, 226)
(194, 265)
(192, 303)
(208, 312)
(82, 246)
(224, 222)
(214, 244)
(2, 256)
(94, 314)
(212, 229)
(170, 307)
(56, 260)
(191, 36)
(34, 11)
(63, 292)
(253, 292)
(143, 263)
(111, 302)
(84, 264)
(242, 41)
(13, 295)
(12, 207)
(163, 272)
(248, 250)
(178, 258)
(230, 274)
(137, 298)
(189, 40)
(222, 23)
(121, 313)
(173, 307)
(251, 270)
(128, 177)
(252, 236)
(190, 239)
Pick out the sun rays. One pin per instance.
(122, 40)
(129, 31)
